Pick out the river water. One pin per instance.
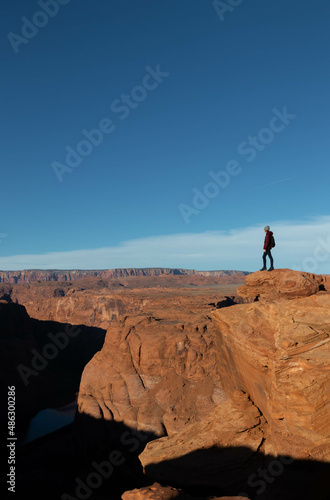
(49, 420)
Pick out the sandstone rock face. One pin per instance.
(278, 353)
(155, 492)
(216, 452)
(97, 302)
(228, 395)
(273, 360)
(282, 284)
(154, 373)
(82, 307)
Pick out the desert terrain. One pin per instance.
(186, 384)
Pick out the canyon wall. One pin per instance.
(277, 350)
(43, 360)
(273, 360)
(156, 373)
(218, 395)
(97, 302)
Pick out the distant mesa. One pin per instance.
(33, 275)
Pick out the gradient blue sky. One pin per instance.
(226, 76)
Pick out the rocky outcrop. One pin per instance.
(273, 361)
(154, 374)
(159, 492)
(155, 492)
(282, 284)
(217, 452)
(278, 353)
(29, 276)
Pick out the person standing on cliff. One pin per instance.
(268, 245)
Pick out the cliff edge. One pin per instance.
(273, 361)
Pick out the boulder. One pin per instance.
(155, 492)
(159, 492)
(281, 284)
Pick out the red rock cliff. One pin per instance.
(273, 360)
(277, 350)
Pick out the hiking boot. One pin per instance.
(271, 269)
(263, 269)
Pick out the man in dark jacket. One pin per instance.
(267, 248)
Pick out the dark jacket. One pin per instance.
(267, 240)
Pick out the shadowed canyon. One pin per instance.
(187, 385)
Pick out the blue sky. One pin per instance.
(187, 88)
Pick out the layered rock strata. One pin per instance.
(154, 374)
(32, 275)
(98, 302)
(275, 353)
(278, 352)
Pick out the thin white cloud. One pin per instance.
(272, 183)
(299, 245)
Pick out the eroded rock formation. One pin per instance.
(154, 374)
(159, 492)
(235, 397)
(282, 284)
(212, 453)
(274, 353)
(97, 302)
(278, 352)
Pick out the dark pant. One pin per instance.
(268, 252)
